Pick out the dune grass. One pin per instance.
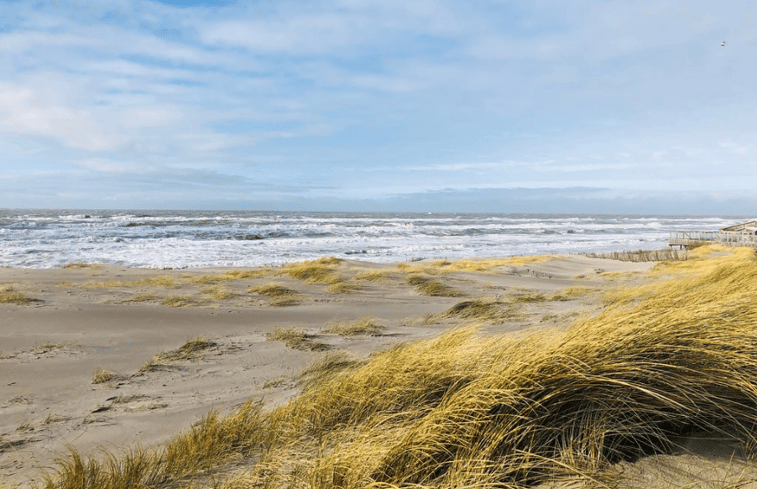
(362, 326)
(278, 295)
(218, 293)
(102, 376)
(432, 287)
(343, 287)
(482, 309)
(231, 275)
(177, 301)
(489, 264)
(9, 295)
(165, 281)
(320, 271)
(467, 410)
(192, 350)
(80, 265)
(296, 338)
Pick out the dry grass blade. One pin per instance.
(214, 278)
(482, 309)
(277, 295)
(218, 293)
(192, 350)
(432, 287)
(8, 295)
(321, 271)
(362, 326)
(102, 375)
(166, 282)
(299, 339)
(177, 301)
(81, 265)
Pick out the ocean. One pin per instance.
(193, 239)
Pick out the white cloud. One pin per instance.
(103, 165)
(27, 111)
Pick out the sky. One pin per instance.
(590, 106)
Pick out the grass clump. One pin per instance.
(431, 287)
(9, 295)
(488, 264)
(102, 376)
(343, 287)
(574, 292)
(80, 265)
(298, 339)
(177, 301)
(376, 275)
(277, 295)
(214, 278)
(321, 271)
(165, 281)
(218, 293)
(482, 309)
(142, 297)
(528, 296)
(192, 350)
(362, 326)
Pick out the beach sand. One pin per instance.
(82, 319)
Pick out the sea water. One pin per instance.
(191, 239)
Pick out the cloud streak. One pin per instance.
(338, 99)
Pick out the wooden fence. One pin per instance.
(690, 239)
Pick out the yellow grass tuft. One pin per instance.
(573, 292)
(431, 287)
(321, 271)
(343, 287)
(482, 309)
(362, 326)
(277, 295)
(9, 295)
(177, 301)
(214, 278)
(218, 293)
(488, 264)
(102, 376)
(81, 265)
(192, 350)
(376, 275)
(164, 281)
(298, 339)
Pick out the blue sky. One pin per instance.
(499, 105)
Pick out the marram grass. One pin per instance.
(465, 410)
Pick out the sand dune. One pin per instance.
(94, 360)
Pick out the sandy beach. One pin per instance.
(94, 360)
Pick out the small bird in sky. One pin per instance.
(722, 43)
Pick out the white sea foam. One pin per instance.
(43, 239)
